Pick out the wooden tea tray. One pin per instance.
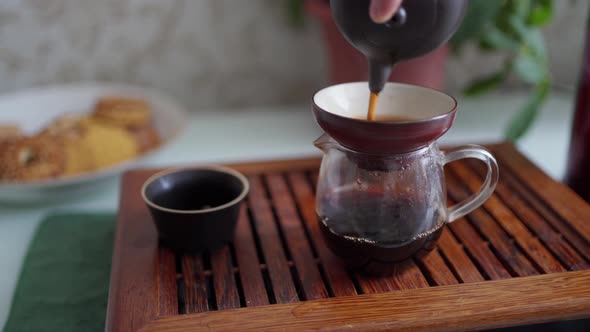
(522, 258)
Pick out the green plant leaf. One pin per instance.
(495, 39)
(295, 12)
(541, 12)
(521, 122)
(485, 84)
(519, 27)
(511, 26)
(480, 15)
(536, 43)
(520, 8)
(502, 21)
(529, 68)
(531, 38)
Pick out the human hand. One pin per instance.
(382, 11)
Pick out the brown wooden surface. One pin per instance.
(312, 286)
(195, 285)
(224, 284)
(167, 279)
(338, 279)
(561, 199)
(246, 256)
(278, 273)
(460, 264)
(450, 308)
(513, 226)
(273, 250)
(511, 256)
(135, 285)
(551, 238)
(479, 249)
(435, 266)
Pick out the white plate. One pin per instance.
(35, 108)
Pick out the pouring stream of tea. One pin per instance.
(372, 106)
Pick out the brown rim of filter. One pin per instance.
(217, 168)
(440, 116)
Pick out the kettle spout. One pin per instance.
(324, 143)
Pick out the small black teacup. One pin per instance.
(195, 208)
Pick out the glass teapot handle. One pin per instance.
(476, 199)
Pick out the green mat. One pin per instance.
(64, 281)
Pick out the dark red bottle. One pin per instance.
(578, 167)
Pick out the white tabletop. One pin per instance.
(283, 132)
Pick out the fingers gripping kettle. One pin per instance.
(418, 27)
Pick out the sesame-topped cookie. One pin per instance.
(10, 132)
(66, 126)
(31, 158)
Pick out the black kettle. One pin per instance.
(418, 27)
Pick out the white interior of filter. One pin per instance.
(412, 102)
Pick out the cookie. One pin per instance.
(66, 126)
(147, 138)
(78, 158)
(31, 158)
(68, 130)
(107, 145)
(123, 112)
(9, 132)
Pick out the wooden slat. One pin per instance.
(375, 285)
(407, 275)
(479, 249)
(167, 279)
(513, 226)
(457, 258)
(436, 268)
(292, 227)
(536, 204)
(314, 179)
(277, 166)
(248, 264)
(559, 197)
(551, 239)
(226, 292)
(336, 275)
(195, 284)
(504, 246)
(472, 306)
(133, 290)
(274, 255)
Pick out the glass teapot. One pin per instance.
(381, 194)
